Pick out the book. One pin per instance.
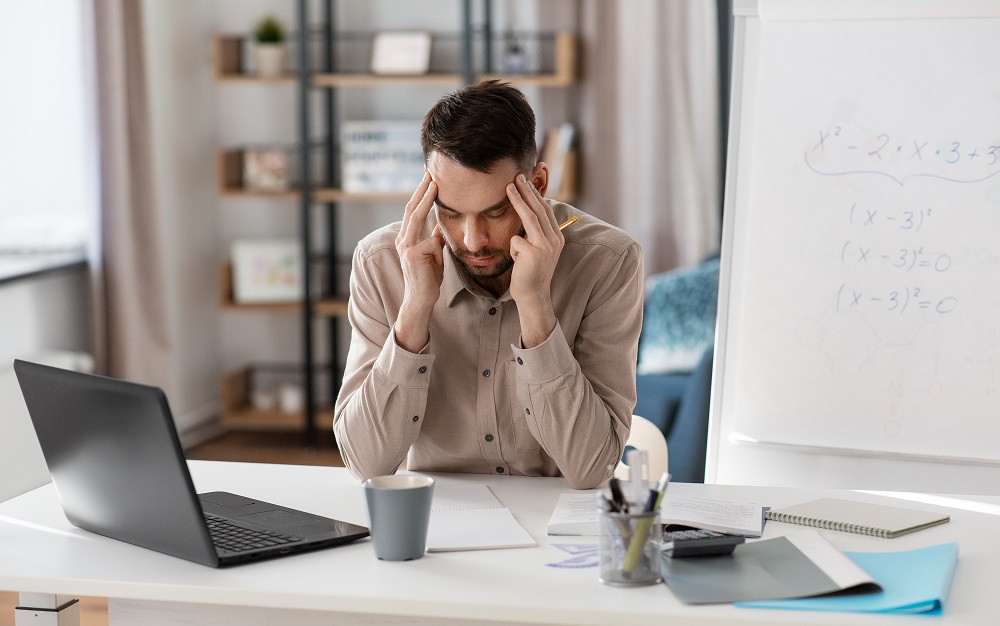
(575, 514)
(467, 516)
(557, 146)
(381, 156)
(864, 518)
(912, 581)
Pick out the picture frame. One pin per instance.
(265, 169)
(267, 271)
(401, 53)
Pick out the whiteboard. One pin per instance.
(859, 327)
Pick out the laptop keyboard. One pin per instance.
(233, 538)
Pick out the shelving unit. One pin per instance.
(231, 67)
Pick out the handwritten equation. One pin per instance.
(876, 225)
(901, 219)
(905, 259)
(844, 150)
(899, 300)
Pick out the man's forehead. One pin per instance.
(456, 209)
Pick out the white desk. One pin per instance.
(41, 552)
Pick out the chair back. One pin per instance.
(645, 435)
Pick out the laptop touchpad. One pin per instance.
(279, 518)
(223, 498)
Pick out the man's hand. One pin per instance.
(535, 256)
(422, 260)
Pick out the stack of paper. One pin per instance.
(576, 514)
(467, 516)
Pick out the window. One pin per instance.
(48, 147)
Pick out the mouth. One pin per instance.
(479, 261)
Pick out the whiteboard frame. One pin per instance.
(732, 457)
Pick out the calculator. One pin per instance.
(698, 542)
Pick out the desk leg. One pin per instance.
(46, 609)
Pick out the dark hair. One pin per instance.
(480, 125)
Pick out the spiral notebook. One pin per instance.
(864, 518)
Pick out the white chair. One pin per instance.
(645, 435)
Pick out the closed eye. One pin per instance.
(495, 214)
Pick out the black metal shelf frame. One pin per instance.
(332, 179)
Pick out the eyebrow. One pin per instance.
(492, 207)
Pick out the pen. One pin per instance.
(567, 222)
(617, 498)
(642, 526)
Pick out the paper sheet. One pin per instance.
(467, 516)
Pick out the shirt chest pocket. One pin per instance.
(519, 411)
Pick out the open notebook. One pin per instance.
(864, 518)
(467, 516)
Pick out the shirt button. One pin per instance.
(416, 418)
(493, 310)
(486, 373)
(519, 361)
(423, 369)
(489, 437)
(499, 470)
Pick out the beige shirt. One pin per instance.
(473, 400)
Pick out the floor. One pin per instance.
(253, 447)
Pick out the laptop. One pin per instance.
(118, 466)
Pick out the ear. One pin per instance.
(540, 177)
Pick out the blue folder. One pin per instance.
(912, 581)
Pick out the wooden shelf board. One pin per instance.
(229, 63)
(248, 418)
(327, 307)
(236, 411)
(236, 77)
(329, 194)
(233, 193)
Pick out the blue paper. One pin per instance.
(912, 581)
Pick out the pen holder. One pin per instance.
(630, 548)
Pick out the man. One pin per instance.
(484, 338)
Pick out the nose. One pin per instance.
(476, 237)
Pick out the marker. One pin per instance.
(567, 222)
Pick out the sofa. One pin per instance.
(676, 347)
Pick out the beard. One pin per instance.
(490, 272)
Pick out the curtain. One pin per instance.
(649, 105)
(131, 335)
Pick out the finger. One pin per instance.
(540, 222)
(529, 217)
(417, 224)
(414, 200)
(438, 237)
(530, 190)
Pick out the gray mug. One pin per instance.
(399, 512)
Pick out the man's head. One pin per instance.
(475, 141)
(480, 125)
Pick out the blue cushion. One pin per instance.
(687, 439)
(658, 396)
(678, 318)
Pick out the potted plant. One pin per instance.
(269, 35)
